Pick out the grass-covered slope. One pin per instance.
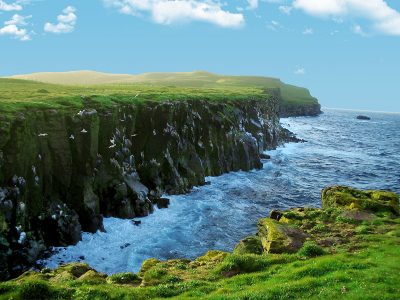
(17, 94)
(291, 95)
(343, 251)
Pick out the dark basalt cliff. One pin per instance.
(300, 109)
(61, 172)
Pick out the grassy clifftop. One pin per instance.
(347, 250)
(17, 94)
(154, 86)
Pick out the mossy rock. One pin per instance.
(124, 278)
(147, 265)
(278, 237)
(36, 289)
(93, 277)
(249, 245)
(211, 257)
(76, 269)
(350, 198)
(64, 276)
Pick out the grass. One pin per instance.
(81, 89)
(364, 266)
(18, 94)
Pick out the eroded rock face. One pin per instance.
(278, 237)
(63, 171)
(350, 198)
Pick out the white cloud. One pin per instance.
(13, 28)
(16, 32)
(10, 7)
(175, 11)
(308, 31)
(384, 18)
(18, 20)
(300, 71)
(252, 4)
(66, 22)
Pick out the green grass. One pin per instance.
(65, 90)
(370, 273)
(18, 94)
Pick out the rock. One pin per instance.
(279, 238)
(136, 223)
(276, 214)
(350, 198)
(265, 156)
(249, 245)
(361, 117)
(162, 203)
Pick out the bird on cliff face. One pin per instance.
(84, 130)
(42, 134)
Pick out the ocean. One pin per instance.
(340, 150)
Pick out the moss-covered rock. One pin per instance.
(350, 198)
(249, 245)
(278, 237)
(147, 265)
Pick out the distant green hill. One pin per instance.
(198, 79)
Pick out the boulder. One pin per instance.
(249, 245)
(350, 198)
(278, 237)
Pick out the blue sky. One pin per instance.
(347, 52)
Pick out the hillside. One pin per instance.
(198, 79)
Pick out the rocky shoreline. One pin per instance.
(61, 172)
(349, 221)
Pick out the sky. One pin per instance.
(347, 52)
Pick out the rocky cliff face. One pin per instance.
(60, 172)
(295, 110)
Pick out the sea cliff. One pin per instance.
(61, 171)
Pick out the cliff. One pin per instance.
(346, 249)
(62, 170)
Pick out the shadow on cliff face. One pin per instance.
(62, 171)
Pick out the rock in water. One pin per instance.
(360, 117)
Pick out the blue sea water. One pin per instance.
(340, 150)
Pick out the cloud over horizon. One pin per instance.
(177, 11)
(66, 22)
(384, 18)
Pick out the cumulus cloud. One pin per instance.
(384, 18)
(66, 22)
(10, 6)
(16, 32)
(13, 28)
(175, 11)
(18, 20)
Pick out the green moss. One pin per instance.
(234, 264)
(350, 198)
(310, 249)
(37, 290)
(249, 245)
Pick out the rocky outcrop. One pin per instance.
(311, 109)
(62, 171)
(350, 198)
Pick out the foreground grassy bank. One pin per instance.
(348, 249)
